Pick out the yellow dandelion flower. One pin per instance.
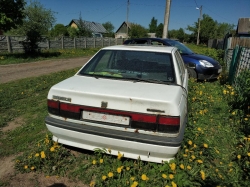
(171, 176)
(216, 170)
(167, 186)
(132, 178)
(25, 167)
(173, 184)
(205, 145)
(144, 177)
(184, 155)
(202, 175)
(135, 183)
(32, 168)
(119, 156)
(101, 161)
(127, 168)
(182, 166)
(200, 161)
(200, 92)
(173, 166)
(199, 129)
(224, 91)
(43, 154)
(37, 155)
(119, 170)
(92, 183)
(246, 119)
(200, 152)
(52, 149)
(193, 157)
(248, 154)
(94, 162)
(164, 176)
(232, 93)
(195, 145)
(186, 150)
(104, 177)
(110, 174)
(188, 167)
(239, 156)
(190, 142)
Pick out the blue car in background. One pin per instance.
(200, 67)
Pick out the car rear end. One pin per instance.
(137, 119)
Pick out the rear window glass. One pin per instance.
(124, 64)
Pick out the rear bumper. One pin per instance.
(131, 145)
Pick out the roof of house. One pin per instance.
(93, 26)
(127, 24)
(243, 26)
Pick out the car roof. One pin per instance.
(165, 49)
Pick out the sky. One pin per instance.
(182, 12)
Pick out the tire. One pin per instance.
(192, 73)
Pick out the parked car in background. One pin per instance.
(131, 100)
(199, 66)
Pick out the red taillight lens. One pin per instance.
(70, 107)
(53, 104)
(167, 120)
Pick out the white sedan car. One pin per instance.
(131, 100)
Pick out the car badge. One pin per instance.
(104, 104)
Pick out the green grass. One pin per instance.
(17, 58)
(215, 150)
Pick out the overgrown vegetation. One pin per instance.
(215, 150)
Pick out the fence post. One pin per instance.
(75, 42)
(9, 44)
(62, 42)
(85, 40)
(48, 43)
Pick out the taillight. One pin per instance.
(53, 107)
(139, 121)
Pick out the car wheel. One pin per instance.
(192, 73)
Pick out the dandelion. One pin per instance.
(193, 157)
(119, 170)
(135, 183)
(127, 168)
(200, 92)
(173, 166)
(101, 161)
(184, 155)
(110, 174)
(173, 184)
(239, 156)
(202, 175)
(224, 92)
(144, 177)
(182, 166)
(25, 167)
(186, 150)
(199, 129)
(232, 93)
(94, 162)
(246, 119)
(164, 176)
(37, 155)
(248, 154)
(132, 178)
(32, 168)
(188, 167)
(195, 145)
(104, 177)
(190, 142)
(52, 149)
(43, 154)
(92, 183)
(200, 161)
(205, 145)
(119, 156)
(171, 176)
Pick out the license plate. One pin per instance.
(105, 118)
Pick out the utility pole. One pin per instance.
(127, 17)
(166, 19)
(199, 27)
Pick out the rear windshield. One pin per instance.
(131, 65)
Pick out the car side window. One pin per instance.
(180, 66)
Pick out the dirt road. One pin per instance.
(19, 71)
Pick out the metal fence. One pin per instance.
(237, 61)
(14, 43)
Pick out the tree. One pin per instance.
(36, 23)
(11, 14)
(159, 30)
(153, 25)
(137, 31)
(109, 28)
(83, 29)
(59, 30)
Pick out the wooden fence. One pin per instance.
(14, 43)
